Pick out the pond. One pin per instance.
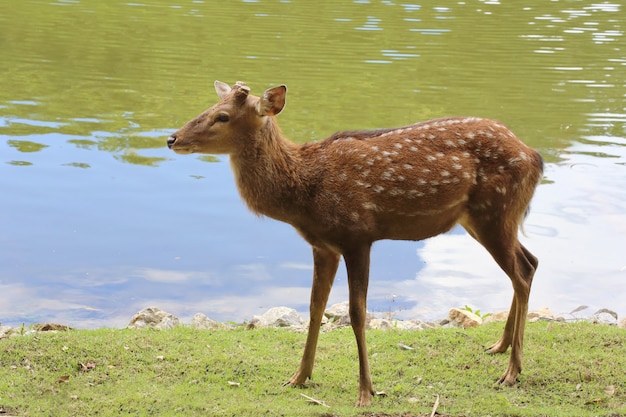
(99, 219)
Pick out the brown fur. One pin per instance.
(356, 187)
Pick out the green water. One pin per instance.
(101, 219)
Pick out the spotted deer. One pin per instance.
(356, 187)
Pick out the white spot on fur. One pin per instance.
(378, 189)
(370, 206)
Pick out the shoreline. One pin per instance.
(335, 316)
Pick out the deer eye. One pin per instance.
(222, 117)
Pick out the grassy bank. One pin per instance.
(569, 370)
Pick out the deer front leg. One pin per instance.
(325, 263)
(357, 264)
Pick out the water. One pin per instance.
(100, 219)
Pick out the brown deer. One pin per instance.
(354, 188)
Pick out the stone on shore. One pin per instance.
(202, 322)
(604, 316)
(543, 313)
(154, 318)
(387, 324)
(5, 331)
(277, 317)
(496, 317)
(338, 315)
(464, 318)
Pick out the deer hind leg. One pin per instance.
(503, 344)
(357, 265)
(325, 263)
(520, 265)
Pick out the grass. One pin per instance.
(575, 369)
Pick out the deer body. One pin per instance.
(354, 188)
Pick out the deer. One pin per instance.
(346, 192)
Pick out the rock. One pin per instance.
(381, 324)
(413, 324)
(606, 310)
(464, 318)
(50, 327)
(604, 316)
(155, 318)
(496, 317)
(622, 323)
(277, 317)
(442, 323)
(201, 321)
(339, 314)
(543, 313)
(5, 331)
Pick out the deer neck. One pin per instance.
(267, 173)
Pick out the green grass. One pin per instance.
(569, 370)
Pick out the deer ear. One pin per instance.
(222, 89)
(272, 101)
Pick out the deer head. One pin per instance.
(225, 127)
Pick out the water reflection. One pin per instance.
(104, 220)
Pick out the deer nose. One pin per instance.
(170, 141)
